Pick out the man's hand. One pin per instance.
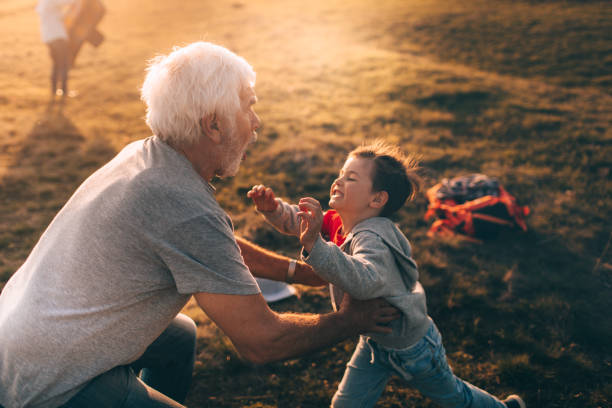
(311, 216)
(263, 197)
(369, 315)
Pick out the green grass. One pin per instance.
(555, 41)
(514, 89)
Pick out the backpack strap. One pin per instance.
(444, 228)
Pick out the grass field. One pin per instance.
(519, 90)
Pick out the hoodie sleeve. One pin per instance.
(284, 218)
(361, 274)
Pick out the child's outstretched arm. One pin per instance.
(263, 197)
(311, 221)
(278, 213)
(363, 274)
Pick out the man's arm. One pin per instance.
(269, 265)
(260, 335)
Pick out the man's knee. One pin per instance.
(186, 324)
(187, 330)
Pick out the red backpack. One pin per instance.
(474, 207)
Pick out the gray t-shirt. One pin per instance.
(111, 271)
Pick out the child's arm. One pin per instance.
(311, 221)
(278, 213)
(362, 274)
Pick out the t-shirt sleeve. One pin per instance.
(203, 256)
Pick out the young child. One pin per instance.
(369, 257)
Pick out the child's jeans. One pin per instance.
(423, 366)
(165, 370)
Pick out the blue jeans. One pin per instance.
(165, 371)
(423, 366)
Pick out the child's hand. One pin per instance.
(263, 197)
(311, 216)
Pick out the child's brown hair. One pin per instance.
(394, 172)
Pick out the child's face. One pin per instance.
(352, 192)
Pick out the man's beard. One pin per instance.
(233, 156)
(231, 167)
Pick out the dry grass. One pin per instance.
(517, 90)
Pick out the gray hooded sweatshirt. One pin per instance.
(374, 261)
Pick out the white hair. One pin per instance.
(189, 83)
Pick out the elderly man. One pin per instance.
(96, 303)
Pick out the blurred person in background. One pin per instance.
(91, 319)
(54, 33)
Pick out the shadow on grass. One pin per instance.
(530, 305)
(51, 162)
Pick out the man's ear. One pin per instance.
(211, 127)
(380, 199)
